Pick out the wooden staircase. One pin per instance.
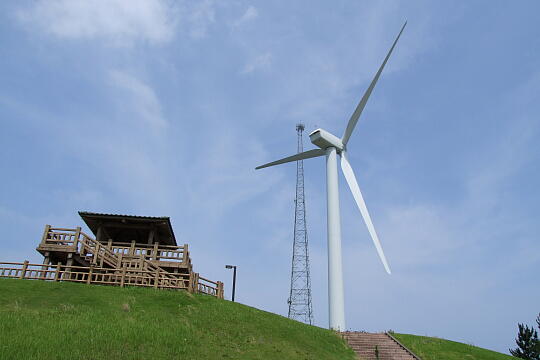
(81, 258)
(95, 253)
(366, 344)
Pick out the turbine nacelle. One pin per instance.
(324, 140)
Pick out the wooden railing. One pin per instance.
(76, 240)
(107, 276)
(87, 247)
(156, 252)
(93, 275)
(60, 236)
(118, 264)
(209, 287)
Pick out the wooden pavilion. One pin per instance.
(125, 250)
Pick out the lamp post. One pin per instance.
(234, 278)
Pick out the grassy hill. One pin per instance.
(45, 320)
(429, 348)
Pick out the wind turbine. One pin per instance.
(331, 146)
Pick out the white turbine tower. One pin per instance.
(331, 146)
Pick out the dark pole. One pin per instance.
(234, 283)
(234, 279)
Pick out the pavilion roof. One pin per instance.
(125, 228)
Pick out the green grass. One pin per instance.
(429, 348)
(45, 320)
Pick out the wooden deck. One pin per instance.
(72, 255)
(62, 240)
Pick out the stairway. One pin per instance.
(96, 253)
(84, 259)
(389, 349)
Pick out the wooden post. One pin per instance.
(123, 279)
(155, 256)
(195, 283)
(151, 240)
(82, 251)
(23, 272)
(219, 293)
(89, 280)
(45, 234)
(46, 261)
(57, 272)
(46, 258)
(185, 254)
(69, 261)
(96, 253)
(190, 282)
(156, 280)
(76, 241)
(132, 248)
(99, 233)
(69, 264)
(109, 244)
(119, 264)
(141, 264)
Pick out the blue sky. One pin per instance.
(164, 108)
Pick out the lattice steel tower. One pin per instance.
(300, 296)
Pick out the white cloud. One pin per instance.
(116, 20)
(250, 14)
(260, 62)
(142, 99)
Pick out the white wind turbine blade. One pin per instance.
(360, 107)
(301, 156)
(353, 185)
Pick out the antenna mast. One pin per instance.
(300, 296)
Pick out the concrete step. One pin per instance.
(364, 345)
